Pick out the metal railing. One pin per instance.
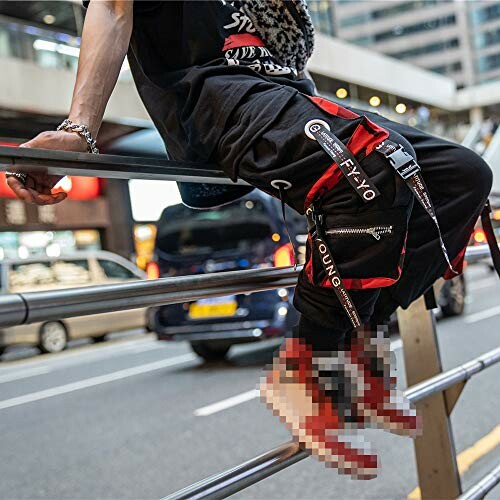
(109, 166)
(231, 481)
(484, 486)
(16, 309)
(32, 307)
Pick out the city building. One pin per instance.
(460, 39)
(39, 48)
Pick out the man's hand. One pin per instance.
(105, 40)
(38, 187)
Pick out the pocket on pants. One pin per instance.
(368, 249)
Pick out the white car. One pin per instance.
(69, 271)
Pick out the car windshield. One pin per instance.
(239, 226)
(47, 274)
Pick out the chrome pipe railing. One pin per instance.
(227, 483)
(32, 307)
(240, 477)
(448, 379)
(483, 487)
(17, 309)
(109, 166)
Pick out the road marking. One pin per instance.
(467, 458)
(227, 403)
(20, 374)
(485, 283)
(147, 347)
(254, 393)
(93, 381)
(94, 351)
(479, 316)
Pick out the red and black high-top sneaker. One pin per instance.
(378, 400)
(294, 389)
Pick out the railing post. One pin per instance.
(435, 450)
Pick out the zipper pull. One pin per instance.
(375, 234)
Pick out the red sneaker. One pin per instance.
(293, 391)
(378, 400)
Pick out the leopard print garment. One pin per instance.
(287, 30)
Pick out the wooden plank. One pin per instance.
(452, 394)
(435, 450)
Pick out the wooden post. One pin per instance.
(435, 450)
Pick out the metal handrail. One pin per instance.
(109, 166)
(483, 487)
(23, 308)
(51, 305)
(238, 478)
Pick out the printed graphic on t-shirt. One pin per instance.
(244, 47)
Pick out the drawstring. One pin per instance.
(490, 236)
(282, 186)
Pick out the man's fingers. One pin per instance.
(46, 199)
(31, 195)
(19, 189)
(58, 197)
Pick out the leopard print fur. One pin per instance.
(290, 37)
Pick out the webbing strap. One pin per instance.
(315, 223)
(490, 236)
(404, 164)
(340, 154)
(409, 170)
(282, 193)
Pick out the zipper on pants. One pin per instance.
(375, 231)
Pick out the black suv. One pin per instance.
(246, 234)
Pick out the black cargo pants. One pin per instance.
(387, 251)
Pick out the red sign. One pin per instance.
(78, 188)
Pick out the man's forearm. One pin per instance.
(105, 40)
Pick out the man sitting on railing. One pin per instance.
(221, 81)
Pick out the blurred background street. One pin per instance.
(138, 418)
(140, 403)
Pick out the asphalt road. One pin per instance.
(135, 418)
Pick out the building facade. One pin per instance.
(460, 39)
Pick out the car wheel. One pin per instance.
(210, 352)
(53, 337)
(99, 338)
(2, 350)
(452, 297)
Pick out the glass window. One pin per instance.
(71, 272)
(56, 273)
(427, 49)
(487, 38)
(447, 68)
(113, 270)
(393, 10)
(399, 30)
(485, 14)
(488, 63)
(322, 16)
(46, 47)
(231, 229)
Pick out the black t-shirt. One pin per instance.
(193, 62)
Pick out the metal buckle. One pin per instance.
(403, 162)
